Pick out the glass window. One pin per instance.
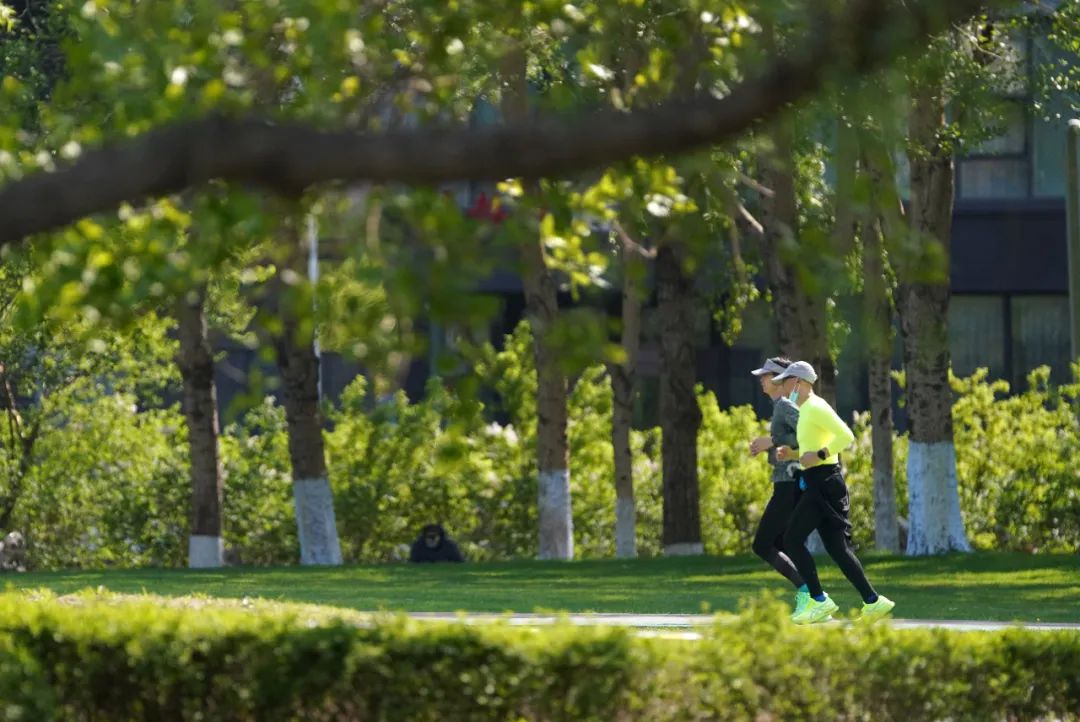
(1012, 138)
(1010, 66)
(1048, 141)
(1040, 336)
(977, 334)
(993, 178)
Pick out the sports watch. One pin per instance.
(823, 454)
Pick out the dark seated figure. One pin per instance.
(433, 545)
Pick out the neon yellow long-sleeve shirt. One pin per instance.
(820, 427)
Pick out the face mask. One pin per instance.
(793, 397)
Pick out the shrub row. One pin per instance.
(109, 660)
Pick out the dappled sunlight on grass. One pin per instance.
(978, 586)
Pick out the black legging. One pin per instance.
(824, 506)
(769, 539)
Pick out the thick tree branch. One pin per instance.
(290, 157)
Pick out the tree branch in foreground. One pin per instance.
(288, 158)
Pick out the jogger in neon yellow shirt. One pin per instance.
(824, 504)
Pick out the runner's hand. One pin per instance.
(784, 453)
(760, 444)
(809, 459)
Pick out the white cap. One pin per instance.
(769, 367)
(798, 370)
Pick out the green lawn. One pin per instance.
(1004, 587)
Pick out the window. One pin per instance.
(1000, 167)
(977, 334)
(1040, 336)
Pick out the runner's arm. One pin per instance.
(784, 424)
(841, 433)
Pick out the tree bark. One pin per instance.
(555, 512)
(877, 334)
(196, 362)
(680, 415)
(799, 314)
(923, 303)
(623, 380)
(21, 444)
(299, 368)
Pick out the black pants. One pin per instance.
(824, 506)
(769, 539)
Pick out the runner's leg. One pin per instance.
(771, 528)
(806, 517)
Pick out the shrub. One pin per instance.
(258, 522)
(1016, 462)
(107, 485)
(107, 660)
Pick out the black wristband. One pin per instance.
(821, 454)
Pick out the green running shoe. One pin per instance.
(815, 611)
(878, 610)
(801, 598)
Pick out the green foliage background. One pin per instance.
(107, 482)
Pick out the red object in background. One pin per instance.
(484, 208)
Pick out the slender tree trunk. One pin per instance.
(196, 362)
(680, 415)
(20, 443)
(623, 380)
(877, 334)
(299, 368)
(556, 532)
(923, 304)
(799, 312)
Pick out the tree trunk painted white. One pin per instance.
(205, 552)
(196, 362)
(556, 525)
(886, 516)
(556, 520)
(923, 304)
(680, 415)
(936, 524)
(315, 522)
(625, 528)
(623, 377)
(878, 341)
(299, 367)
(684, 549)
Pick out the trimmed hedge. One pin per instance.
(99, 660)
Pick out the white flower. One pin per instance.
(44, 160)
(232, 37)
(179, 76)
(354, 42)
(600, 71)
(659, 206)
(233, 77)
(455, 47)
(573, 12)
(71, 150)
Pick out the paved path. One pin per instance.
(684, 625)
